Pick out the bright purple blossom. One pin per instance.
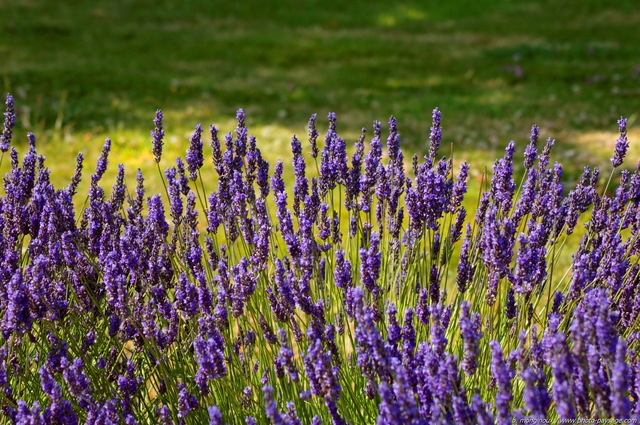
(195, 158)
(158, 135)
(9, 123)
(622, 144)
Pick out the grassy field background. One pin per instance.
(83, 70)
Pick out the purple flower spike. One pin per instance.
(503, 375)
(470, 330)
(371, 261)
(26, 416)
(186, 401)
(342, 276)
(9, 122)
(531, 151)
(622, 144)
(620, 383)
(393, 141)
(301, 188)
(101, 165)
(371, 162)
(313, 136)
(436, 135)
(215, 417)
(195, 158)
(158, 135)
(271, 407)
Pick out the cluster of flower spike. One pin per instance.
(366, 294)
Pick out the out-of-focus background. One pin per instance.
(82, 70)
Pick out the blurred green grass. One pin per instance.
(83, 70)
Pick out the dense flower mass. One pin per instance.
(356, 298)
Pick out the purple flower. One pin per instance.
(101, 165)
(195, 158)
(503, 375)
(562, 366)
(209, 347)
(118, 192)
(49, 385)
(155, 223)
(26, 416)
(531, 265)
(436, 135)
(266, 330)
(78, 383)
(471, 333)
(107, 413)
(245, 284)
(158, 135)
(622, 144)
(342, 276)
(371, 261)
(271, 407)
(620, 383)
(393, 141)
(9, 123)
(60, 412)
(186, 297)
(215, 417)
(496, 249)
(339, 160)
(181, 177)
(465, 269)
(282, 299)
(502, 184)
(77, 174)
(459, 188)
(531, 151)
(313, 136)
(17, 317)
(482, 413)
(527, 196)
(247, 397)
(543, 159)
(241, 136)
(371, 161)
(510, 305)
(429, 196)
(408, 337)
(284, 216)
(301, 188)
(398, 403)
(328, 170)
(128, 386)
(186, 401)
(164, 415)
(322, 375)
(284, 361)
(535, 393)
(354, 174)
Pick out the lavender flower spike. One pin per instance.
(9, 122)
(215, 416)
(436, 135)
(195, 158)
(158, 135)
(470, 330)
(622, 144)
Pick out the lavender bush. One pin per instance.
(365, 294)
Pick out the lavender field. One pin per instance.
(360, 292)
